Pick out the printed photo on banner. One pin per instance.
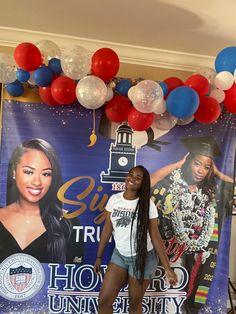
(50, 168)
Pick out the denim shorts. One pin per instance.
(128, 263)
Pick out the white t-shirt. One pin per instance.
(122, 211)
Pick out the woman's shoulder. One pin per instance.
(5, 211)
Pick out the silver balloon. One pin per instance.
(75, 62)
(144, 94)
(208, 73)
(7, 68)
(159, 106)
(164, 121)
(48, 50)
(185, 121)
(91, 92)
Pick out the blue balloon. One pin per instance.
(15, 88)
(43, 76)
(164, 87)
(122, 87)
(22, 75)
(54, 65)
(182, 102)
(226, 60)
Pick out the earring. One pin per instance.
(13, 177)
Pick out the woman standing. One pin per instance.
(32, 222)
(132, 218)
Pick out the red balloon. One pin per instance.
(27, 56)
(208, 110)
(199, 83)
(63, 90)
(46, 96)
(172, 83)
(230, 99)
(140, 121)
(105, 64)
(118, 108)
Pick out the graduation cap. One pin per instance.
(202, 145)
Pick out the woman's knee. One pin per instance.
(104, 300)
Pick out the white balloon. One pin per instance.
(159, 106)
(7, 68)
(217, 94)
(224, 80)
(144, 94)
(185, 121)
(110, 94)
(75, 62)
(164, 121)
(208, 73)
(48, 50)
(91, 92)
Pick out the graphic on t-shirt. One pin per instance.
(123, 221)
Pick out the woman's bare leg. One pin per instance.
(114, 280)
(136, 294)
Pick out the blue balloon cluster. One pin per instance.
(43, 76)
(123, 86)
(22, 75)
(164, 87)
(54, 65)
(226, 60)
(182, 102)
(15, 88)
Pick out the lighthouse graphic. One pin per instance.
(122, 155)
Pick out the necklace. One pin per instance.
(194, 215)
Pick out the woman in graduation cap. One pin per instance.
(186, 196)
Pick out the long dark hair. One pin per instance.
(58, 228)
(207, 185)
(142, 214)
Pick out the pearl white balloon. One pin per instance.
(224, 80)
(75, 62)
(91, 92)
(7, 68)
(48, 50)
(217, 94)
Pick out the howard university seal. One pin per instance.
(21, 277)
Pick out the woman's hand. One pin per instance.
(221, 175)
(180, 163)
(97, 266)
(172, 277)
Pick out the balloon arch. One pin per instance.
(64, 77)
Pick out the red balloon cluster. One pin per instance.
(118, 108)
(172, 83)
(199, 83)
(230, 99)
(27, 56)
(140, 121)
(208, 111)
(105, 64)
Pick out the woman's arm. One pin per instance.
(161, 173)
(161, 251)
(221, 175)
(105, 236)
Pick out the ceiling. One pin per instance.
(178, 34)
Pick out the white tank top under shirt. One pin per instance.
(122, 211)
